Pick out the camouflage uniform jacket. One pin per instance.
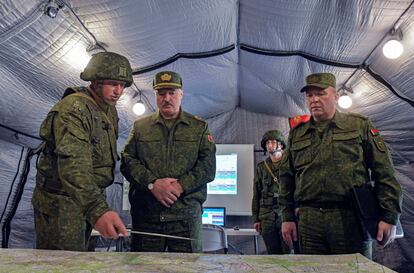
(315, 170)
(186, 152)
(265, 191)
(79, 153)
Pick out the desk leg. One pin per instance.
(256, 245)
(119, 244)
(235, 249)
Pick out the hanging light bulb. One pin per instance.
(76, 55)
(345, 101)
(393, 49)
(52, 9)
(138, 108)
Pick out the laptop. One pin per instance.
(214, 215)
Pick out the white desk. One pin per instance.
(118, 242)
(244, 232)
(228, 232)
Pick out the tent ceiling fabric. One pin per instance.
(34, 48)
(234, 89)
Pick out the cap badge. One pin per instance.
(166, 77)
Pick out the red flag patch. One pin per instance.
(295, 121)
(374, 132)
(210, 138)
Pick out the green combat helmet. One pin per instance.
(272, 135)
(167, 79)
(108, 66)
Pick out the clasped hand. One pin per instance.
(167, 190)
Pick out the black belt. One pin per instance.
(327, 205)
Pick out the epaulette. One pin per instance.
(357, 116)
(72, 90)
(295, 121)
(195, 117)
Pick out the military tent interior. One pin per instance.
(242, 62)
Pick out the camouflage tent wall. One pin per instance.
(242, 62)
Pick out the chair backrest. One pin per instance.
(213, 238)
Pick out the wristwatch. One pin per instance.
(150, 186)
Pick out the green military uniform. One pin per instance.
(77, 160)
(320, 166)
(265, 206)
(75, 167)
(184, 150)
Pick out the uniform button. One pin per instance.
(321, 209)
(162, 218)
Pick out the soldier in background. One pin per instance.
(168, 158)
(78, 158)
(265, 208)
(326, 157)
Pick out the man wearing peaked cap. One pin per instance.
(167, 79)
(320, 80)
(78, 158)
(168, 158)
(326, 157)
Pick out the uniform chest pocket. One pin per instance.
(151, 145)
(302, 152)
(347, 146)
(97, 152)
(103, 141)
(267, 179)
(186, 145)
(186, 138)
(101, 149)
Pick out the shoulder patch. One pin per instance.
(295, 121)
(374, 132)
(380, 144)
(77, 106)
(210, 138)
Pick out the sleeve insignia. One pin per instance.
(210, 138)
(374, 132)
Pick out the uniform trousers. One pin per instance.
(189, 228)
(331, 231)
(59, 223)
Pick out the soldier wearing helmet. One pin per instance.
(78, 157)
(266, 213)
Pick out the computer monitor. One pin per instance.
(214, 215)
